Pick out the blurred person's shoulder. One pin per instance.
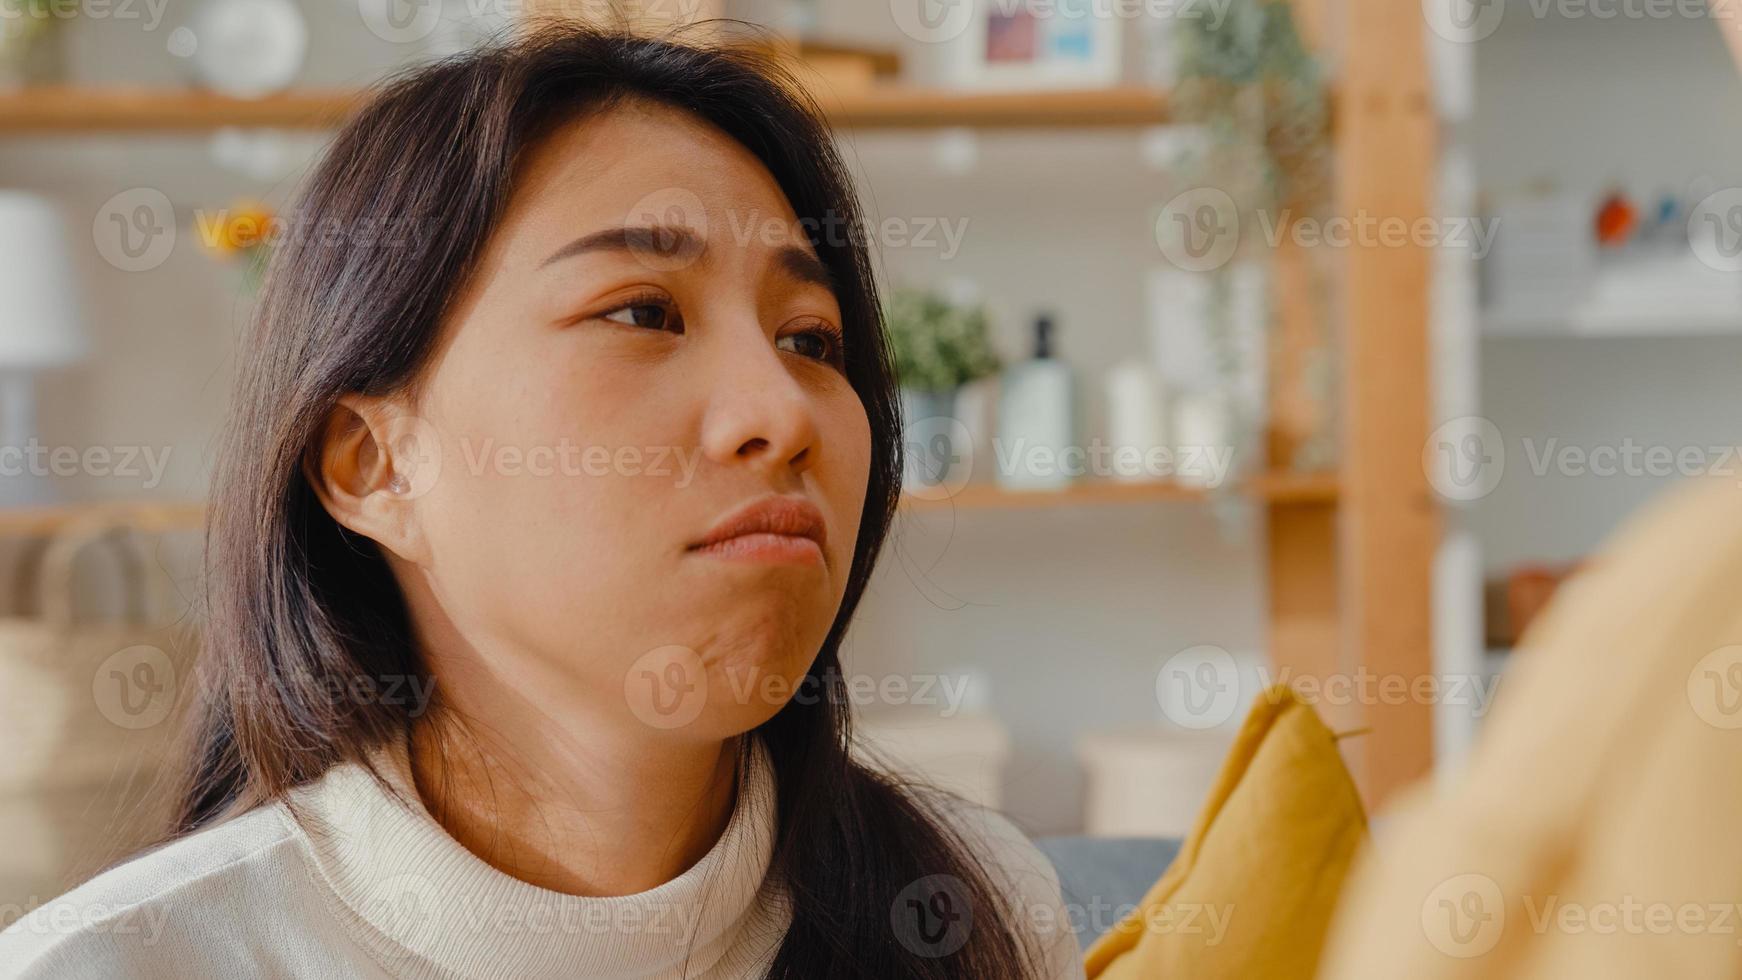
(1024, 875)
(196, 906)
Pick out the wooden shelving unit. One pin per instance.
(1349, 555)
(1269, 488)
(67, 111)
(154, 517)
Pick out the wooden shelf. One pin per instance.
(1276, 488)
(1279, 488)
(59, 110)
(73, 111)
(153, 518)
(901, 107)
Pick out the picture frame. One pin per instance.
(1046, 44)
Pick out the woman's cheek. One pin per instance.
(846, 479)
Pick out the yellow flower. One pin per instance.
(247, 224)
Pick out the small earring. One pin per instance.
(399, 484)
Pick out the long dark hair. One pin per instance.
(388, 228)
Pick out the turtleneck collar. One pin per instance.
(424, 905)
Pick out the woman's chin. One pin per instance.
(723, 687)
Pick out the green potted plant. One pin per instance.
(30, 44)
(937, 346)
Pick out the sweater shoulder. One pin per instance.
(1024, 875)
(152, 906)
(999, 845)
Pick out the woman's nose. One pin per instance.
(758, 413)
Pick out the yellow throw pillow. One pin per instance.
(1253, 888)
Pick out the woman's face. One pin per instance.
(650, 344)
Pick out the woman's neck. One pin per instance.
(595, 819)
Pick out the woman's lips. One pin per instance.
(763, 546)
(772, 528)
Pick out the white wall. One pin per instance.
(1648, 105)
(1590, 393)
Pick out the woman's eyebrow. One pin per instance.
(805, 267)
(680, 242)
(665, 241)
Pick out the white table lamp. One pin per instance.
(41, 326)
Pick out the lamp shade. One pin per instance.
(41, 320)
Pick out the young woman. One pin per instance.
(564, 444)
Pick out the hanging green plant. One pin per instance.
(29, 31)
(1259, 100)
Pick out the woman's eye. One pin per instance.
(652, 316)
(820, 345)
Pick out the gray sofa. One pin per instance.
(1104, 877)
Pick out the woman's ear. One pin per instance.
(369, 465)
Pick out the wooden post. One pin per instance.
(1305, 638)
(1385, 153)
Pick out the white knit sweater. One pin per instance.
(345, 882)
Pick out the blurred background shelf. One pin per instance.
(151, 518)
(1276, 488)
(86, 110)
(1668, 322)
(70, 110)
